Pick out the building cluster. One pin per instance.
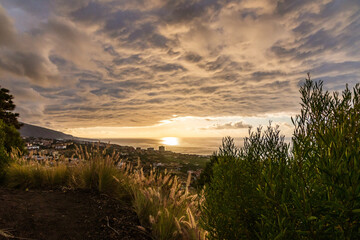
(39, 143)
(161, 149)
(177, 163)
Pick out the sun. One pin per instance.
(172, 141)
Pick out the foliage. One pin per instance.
(12, 138)
(9, 139)
(310, 192)
(6, 108)
(9, 136)
(264, 190)
(4, 156)
(232, 201)
(326, 162)
(227, 149)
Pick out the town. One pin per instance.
(53, 150)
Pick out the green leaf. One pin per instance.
(356, 211)
(311, 218)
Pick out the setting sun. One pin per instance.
(172, 141)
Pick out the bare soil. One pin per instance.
(74, 214)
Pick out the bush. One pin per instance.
(310, 192)
(232, 204)
(326, 162)
(228, 149)
(9, 139)
(4, 155)
(9, 136)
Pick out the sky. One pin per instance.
(162, 68)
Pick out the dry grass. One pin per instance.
(5, 233)
(165, 204)
(162, 202)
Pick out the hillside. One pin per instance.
(28, 130)
(71, 214)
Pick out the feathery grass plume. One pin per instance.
(36, 175)
(188, 181)
(159, 199)
(159, 194)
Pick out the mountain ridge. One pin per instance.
(29, 130)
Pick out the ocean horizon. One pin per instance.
(199, 146)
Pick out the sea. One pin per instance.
(199, 146)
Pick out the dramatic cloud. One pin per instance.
(230, 125)
(7, 32)
(137, 63)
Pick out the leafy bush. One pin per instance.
(309, 192)
(9, 136)
(228, 149)
(4, 156)
(326, 162)
(9, 139)
(232, 201)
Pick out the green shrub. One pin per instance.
(9, 139)
(326, 162)
(309, 192)
(9, 136)
(232, 202)
(227, 149)
(4, 154)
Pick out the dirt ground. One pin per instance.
(79, 214)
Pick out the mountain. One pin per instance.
(28, 130)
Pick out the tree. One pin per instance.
(4, 156)
(9, 135)
(6, 108)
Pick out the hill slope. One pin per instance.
(28, 130)
(75, 214)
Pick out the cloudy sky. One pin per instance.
(156, 68)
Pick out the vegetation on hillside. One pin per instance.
(162, 203)
(7, 107)
(268, 189)
(9, 135)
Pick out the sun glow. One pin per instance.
(172, 141)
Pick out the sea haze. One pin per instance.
(200, 146)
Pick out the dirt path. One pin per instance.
(66, 215)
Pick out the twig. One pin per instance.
(23, 238)
(108, 224)
(7, 234)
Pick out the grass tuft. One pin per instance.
(161, 201)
